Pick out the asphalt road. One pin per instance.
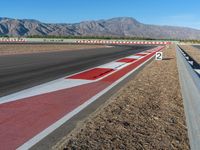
(197, 46)
(18, 72)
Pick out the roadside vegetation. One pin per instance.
(13, 49)
(91, 37)
(190, 41)
(194, 41)
(98, 37)
(192, 51)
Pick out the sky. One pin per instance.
(160, 12)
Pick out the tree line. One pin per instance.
(102, 38)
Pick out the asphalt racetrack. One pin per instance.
(18, 72)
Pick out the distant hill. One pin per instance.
(118, 27)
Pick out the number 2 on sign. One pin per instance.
(159, 55)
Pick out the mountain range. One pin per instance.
(115, 27)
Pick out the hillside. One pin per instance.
(117, 27)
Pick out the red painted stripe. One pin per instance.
(127, 60)
(92, 74)
(140, 54)
(115, 76)
(21, 120)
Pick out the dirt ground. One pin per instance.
(147, 114)
(192, 51)
(8, 49)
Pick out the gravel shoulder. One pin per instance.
(192, 51)
(10, 49)
(147, 113)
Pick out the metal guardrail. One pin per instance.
(193, 63)
(190, 87)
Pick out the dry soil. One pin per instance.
(147, 113)
(192, 51)
(8, 49)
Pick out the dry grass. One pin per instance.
(147, 114)
(8, 49)
(192, 51)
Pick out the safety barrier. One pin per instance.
(12, 40)
(190, 89)
(123, 42)
(192, 62)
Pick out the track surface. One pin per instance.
(197, 46)
(19, 72)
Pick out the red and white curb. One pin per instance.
(28, 116)
(123, 42)
(11, 40)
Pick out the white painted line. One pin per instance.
(134, 57)
(198, 71)
(112, 65)
(143, 53)
(47, 131)
(52, 86)
(190, 62)
(59, 84)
